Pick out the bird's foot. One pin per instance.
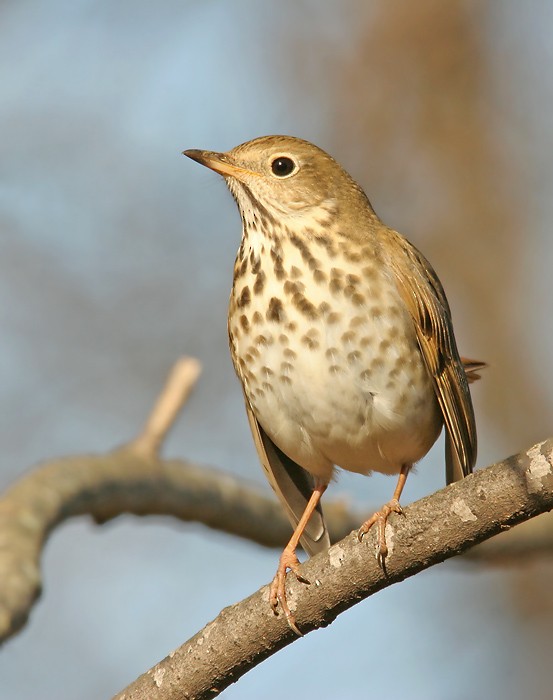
(277, 592)
(380, 518)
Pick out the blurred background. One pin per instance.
(116, 258)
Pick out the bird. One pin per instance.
(342, 338)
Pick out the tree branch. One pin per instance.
(176, 391)
(131, 479)
(134, 479)
(433, 530)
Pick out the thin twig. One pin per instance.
(175, 393)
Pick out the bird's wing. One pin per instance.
(425, 298)
(292, 484)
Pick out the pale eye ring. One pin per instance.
(283, 166)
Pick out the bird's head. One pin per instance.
(286, 181)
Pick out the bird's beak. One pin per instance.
(219, 162)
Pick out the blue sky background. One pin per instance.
(116, 258)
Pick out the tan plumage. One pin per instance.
(425, 299)
(341, 335)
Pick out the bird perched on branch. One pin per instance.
(341, 335)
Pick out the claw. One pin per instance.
(380, 518)
(277, 592)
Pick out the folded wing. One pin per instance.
(292, 484)
(425, 299)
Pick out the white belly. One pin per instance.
(347, 390)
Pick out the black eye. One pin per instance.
(283, 166)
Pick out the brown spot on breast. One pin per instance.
(310, 342)
(244, 298)
(369, 271)
(331, 352)
(319, 276)
(336, 285)
(267, 371)
(375, 312)
(276, 255)
(348, 336)
(275, 312)
(354, 356)
(259, 282)
(262, 340)
(353, 279)
(356, 321)
(353, 255)
(365, 374)
(244, 322)
(325, 241)
(304, 306)
(305, 253)
(384, 345)
(292, 326)
(301, 246)
(313, 264)
(240, 270)
(324, 307)
(333, 317)
(257, 318)
(295, 272)
(267, 386)
(256, 263)
(400, 361)
(283, 339)
(377, 363)
(368, 251)
(334, 369)
(293, 287)
(286, 367)
(366, 341)
(285, 379)
(357, 299)
(290, 354)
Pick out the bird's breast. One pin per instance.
(327, 355)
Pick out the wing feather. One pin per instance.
(425, 298)
(292, 484)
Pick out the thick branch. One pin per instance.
(433, 529)
(132, 479)
(105, 486)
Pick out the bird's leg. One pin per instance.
(381, 516)
(289, 560)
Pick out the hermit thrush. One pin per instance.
(341, 335)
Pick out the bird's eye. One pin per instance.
(282, 166)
